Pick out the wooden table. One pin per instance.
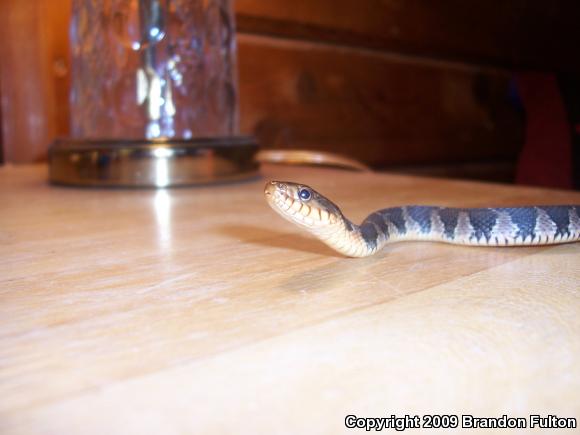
(198, 310)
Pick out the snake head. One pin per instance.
(301, 204)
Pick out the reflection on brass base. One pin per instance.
(152, 163)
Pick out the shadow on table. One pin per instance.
(277, 239)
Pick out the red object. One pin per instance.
(546, 159)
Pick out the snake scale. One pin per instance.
(509, 226)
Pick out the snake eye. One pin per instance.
(304, 194)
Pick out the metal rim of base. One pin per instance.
(152, 163)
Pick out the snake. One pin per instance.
(505, 226)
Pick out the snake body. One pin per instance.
(507, 226)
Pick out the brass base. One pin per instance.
(152, 163)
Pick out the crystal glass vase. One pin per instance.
(152, 69)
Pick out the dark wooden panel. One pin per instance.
(383, 110)
(28, 103)
(1, 134)
(497, 170)
(522, 33)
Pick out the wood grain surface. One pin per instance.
(198, 310)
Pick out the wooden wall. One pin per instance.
(399, 83)
(513, 33)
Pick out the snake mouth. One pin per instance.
(280, 197)
(285, 199)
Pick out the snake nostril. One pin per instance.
(269, 188)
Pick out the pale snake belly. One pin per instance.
(504, 226)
